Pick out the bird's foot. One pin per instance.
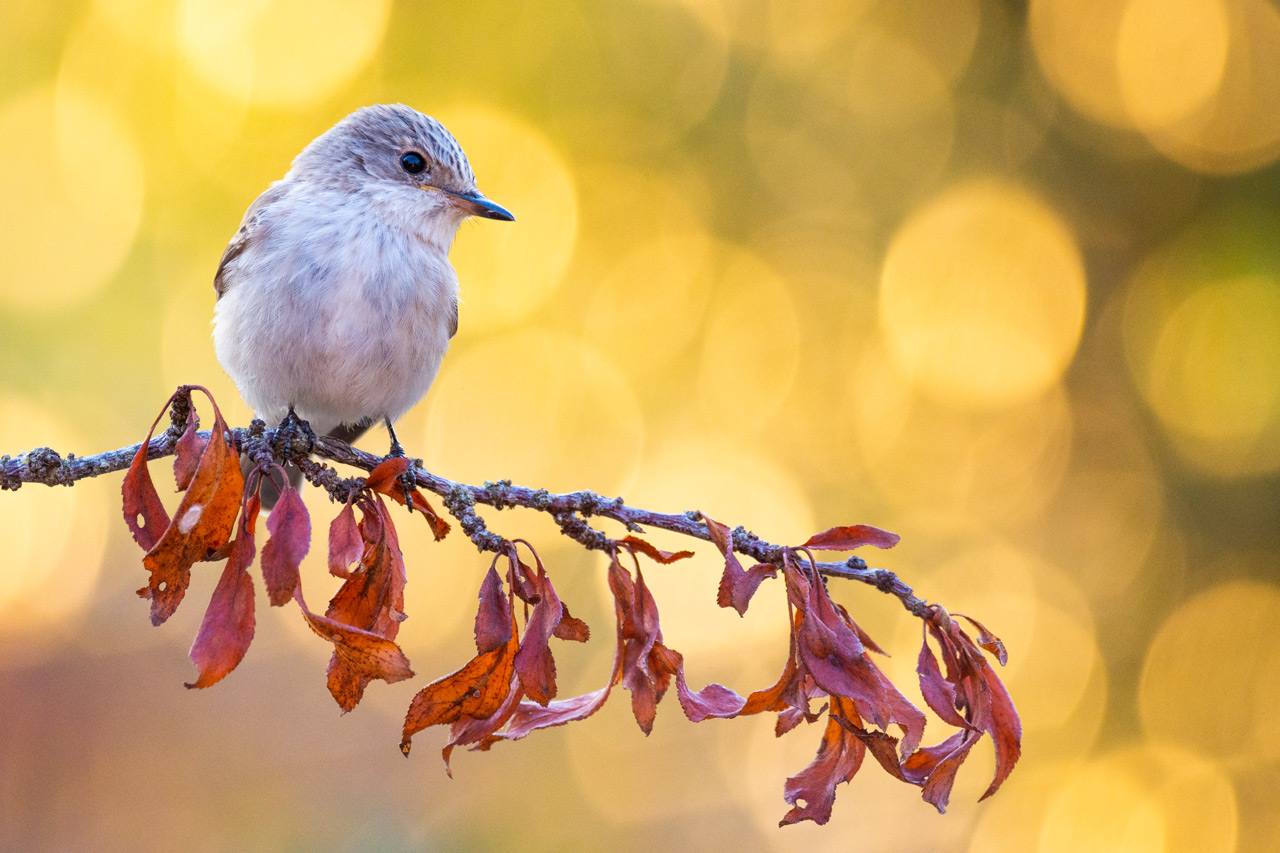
(408, 484)
(294, 437)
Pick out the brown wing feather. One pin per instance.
(251, 229)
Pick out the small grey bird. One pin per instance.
(336, 299)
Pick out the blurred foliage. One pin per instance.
(1002, 277)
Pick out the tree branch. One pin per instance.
(570, 510)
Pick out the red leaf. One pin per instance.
(345, 544)
(227, 628)
(144, 514)
(493, 617)
(737, 585)
(572, 628)
(635, 543)
(290, 527)
(187, 451)
(201, 525)
(851, 537)
(384, 476)
(535, 667)
(938, 693)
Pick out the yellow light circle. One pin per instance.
(1075, 44)
(54, 538)
(72, 218)
(541, 408)
(982, 295)
(186, 355)
(1211, 678)
(1237, 129)
(508, 269)
(1215, 370)
(280, 52)
(1142, 798)
(1157, 91)
(751, 346)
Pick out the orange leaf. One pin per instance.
(290, 527)
(812, 791)
(144, 514)
(385, 479)
(202, 524)
(227, 628)
(363, 656)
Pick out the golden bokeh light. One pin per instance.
(1202, 346)
(650, 305)
(1238, 128)
(1211, 679)
(751, 346)
(54, 539)
(1142, 798)
(185, 347)
(1157, 89)
(74, 217)
(537, 407)
(280, 52)
(982, 295)
(868, 125)
(508, 271)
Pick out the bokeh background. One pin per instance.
(1002, 277)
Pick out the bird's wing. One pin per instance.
(453, 317)
(250, 229)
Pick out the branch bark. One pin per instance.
(570, 510)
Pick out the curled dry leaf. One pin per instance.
(385, 479)
(227, 628)
(289, 524)
(737, 585)
(812, 792)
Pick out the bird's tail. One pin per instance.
(271, 492)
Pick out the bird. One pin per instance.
(336, 301)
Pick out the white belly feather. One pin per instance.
(341, 317)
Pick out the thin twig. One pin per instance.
(570, 510)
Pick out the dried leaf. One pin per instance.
(988, 640)
(851, 537)
(202, 524)
(227, 628)
(571, 627)
(290, 527)
(478, 690)
(535, 667)
(635, 543)
(364, 656)
(494, 619)
(371, 599)
(385, 479)
(345, 543)
(737, 585)
(812, 792)
(144, 514)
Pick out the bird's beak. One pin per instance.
(477, 205)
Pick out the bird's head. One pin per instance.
(407, 158)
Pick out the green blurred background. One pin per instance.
(1002, 278)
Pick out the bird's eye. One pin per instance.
(413, 162)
